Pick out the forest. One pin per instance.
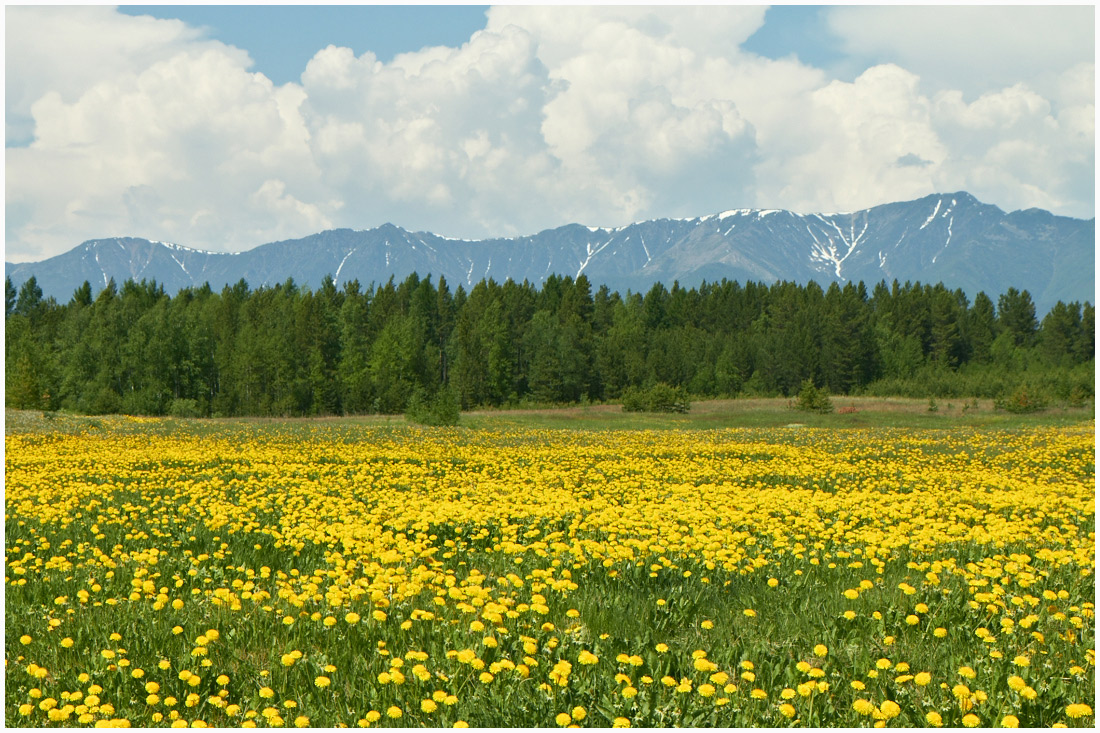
(287, 350)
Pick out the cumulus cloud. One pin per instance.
(175, 151)
(974, 49)
(599, 115)
(68, 50)
(852, 137)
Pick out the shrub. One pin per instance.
(184, 408)
(441, 409)
(1022, 399)
(812, 399)
(658, 398)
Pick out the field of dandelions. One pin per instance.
(336, 574)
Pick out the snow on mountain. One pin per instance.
(949, 238)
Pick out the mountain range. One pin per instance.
(951, 238)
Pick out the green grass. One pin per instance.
(850, 412)
(777, 412)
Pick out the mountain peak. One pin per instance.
(949, 237)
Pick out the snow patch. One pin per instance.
(932, 215)
(336, 277)
(181, 248)
(101, 268)
(179, 263)
(591, 253)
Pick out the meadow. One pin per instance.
(519, 571)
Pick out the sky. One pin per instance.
(226, 127)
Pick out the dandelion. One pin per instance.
(1010, 721)
(563, 719)
(1078, 710)
(970, 720)
(787, 710)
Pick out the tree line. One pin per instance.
(290, 350)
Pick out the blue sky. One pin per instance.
(225, 127)
(262, 30)
(388, 30)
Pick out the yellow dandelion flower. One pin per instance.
(1078, 710)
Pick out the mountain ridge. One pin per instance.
(951, 238)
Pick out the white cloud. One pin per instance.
(169, 152)
(850, 140)
(971, 48)
(1010, 147)
(70, 49)
(599, 115)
